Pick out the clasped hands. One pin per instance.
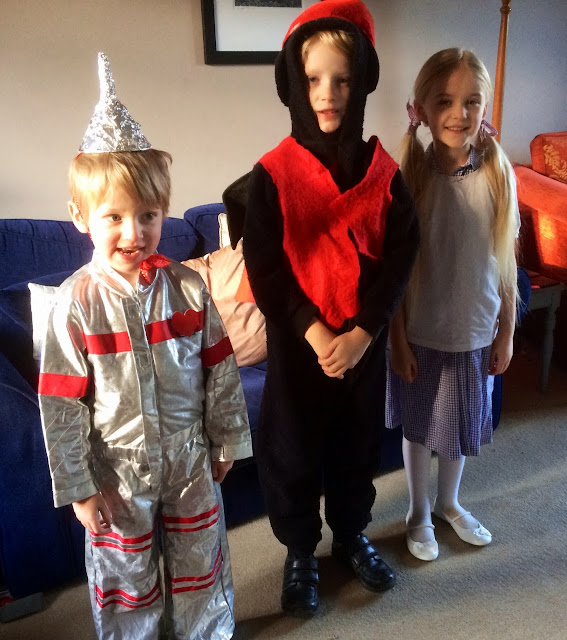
(337, 353)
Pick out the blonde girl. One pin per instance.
(455, 329)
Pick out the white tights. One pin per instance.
(417, 463)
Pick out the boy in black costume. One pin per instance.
(330, 236)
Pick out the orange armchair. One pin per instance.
(542, 195)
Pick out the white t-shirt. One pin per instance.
(455, 303)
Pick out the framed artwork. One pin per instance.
(247, 31)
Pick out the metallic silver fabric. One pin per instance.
(111, 128)
(135, 410)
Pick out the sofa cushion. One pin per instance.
(31, 248)
(16, 324)
(549, 155)
(179, 240)
(222, 272)
(205, 220)
(41, 299)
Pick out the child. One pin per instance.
(457, 323)
(330, 235)
(141, 401)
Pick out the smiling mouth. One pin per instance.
(129, 252)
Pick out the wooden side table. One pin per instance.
(545, 294)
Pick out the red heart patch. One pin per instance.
(185, 324)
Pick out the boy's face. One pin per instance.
(328, 76)
(125, 232)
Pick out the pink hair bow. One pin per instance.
(486, 129)
(414, 120)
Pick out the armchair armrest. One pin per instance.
(540, 192)
(545, 201)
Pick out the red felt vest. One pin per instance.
(317, 219)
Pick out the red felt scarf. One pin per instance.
(317, 219)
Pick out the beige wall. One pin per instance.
(216, 121)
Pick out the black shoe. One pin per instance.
(363, 559)
(299, 593)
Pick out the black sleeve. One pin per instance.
(235, 200)
(275, 289)
(383, 286)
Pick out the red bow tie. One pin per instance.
(148, 267)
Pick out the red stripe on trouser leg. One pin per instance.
(217, 563)
(124, 549)
(201, 516)
(120, 592)
(125, 604)
(126, 599)
(116, 541)
(192, 529)
(197, 587)
(119, 538)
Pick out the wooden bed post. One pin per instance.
(500, 67)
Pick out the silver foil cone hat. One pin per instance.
(111, 128)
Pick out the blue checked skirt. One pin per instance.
(448, 407)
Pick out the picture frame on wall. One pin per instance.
(247, 31)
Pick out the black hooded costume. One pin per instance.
(315, 432)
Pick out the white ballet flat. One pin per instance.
(422, 550)
(479, 536)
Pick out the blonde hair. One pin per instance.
(500, 174)
(143, 174)
(336, 38)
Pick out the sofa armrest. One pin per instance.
(41, 547)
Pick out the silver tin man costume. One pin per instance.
(139, 390)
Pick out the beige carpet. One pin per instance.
(514, 589)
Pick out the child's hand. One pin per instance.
(344, 352)
(220, 469)
(501, 353)
(319, 337)
(403, 362)
(93, 513)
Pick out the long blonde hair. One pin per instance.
(500, 174)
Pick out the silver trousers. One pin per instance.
(164, 570)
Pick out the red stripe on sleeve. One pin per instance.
(55, 384)
(217, 353)
(103, 343)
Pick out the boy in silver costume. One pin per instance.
(141, 401)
